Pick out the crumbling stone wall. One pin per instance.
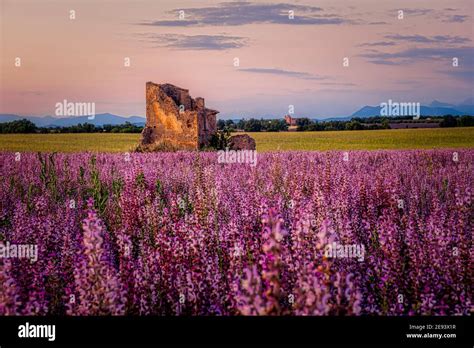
(174, 118)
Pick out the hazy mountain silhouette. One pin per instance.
(98, 120)
(435, 108)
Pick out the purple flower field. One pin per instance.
(301, 233)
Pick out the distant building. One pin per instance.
(290, 120)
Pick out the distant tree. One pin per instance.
(252, 125)
(354, 125)
(18, 126)
(107, 127)
(465, 121)
(448, 121)
(385, 123)
(303, 122)
(220, 124)
(241, 123)
(274, 125)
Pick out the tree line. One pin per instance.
(26, 126)
(250, 125)
(356, 123)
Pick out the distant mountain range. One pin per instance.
(98, 120)
(436, 108)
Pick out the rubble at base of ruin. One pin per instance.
(175, 120)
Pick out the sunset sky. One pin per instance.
(282, 61)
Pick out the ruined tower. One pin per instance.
(174, 118)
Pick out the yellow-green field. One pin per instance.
(338, 140)
(427, 138)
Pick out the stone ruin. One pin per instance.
(175, 120)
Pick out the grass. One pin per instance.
(100, 142)
(427, 138)
(338, 140)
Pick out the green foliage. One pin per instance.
(97, 189)
(274, 125)
(465, 121)
(448, 121)
(127, 127)
(48, 175)
(19, 126)
(354, 125)
(117, 187)
(140, 181)
(158, 187)
(253, 125)
(301, 122)
(220, 139)
(25, 126)
(226, 124)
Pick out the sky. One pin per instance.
(247, 59)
